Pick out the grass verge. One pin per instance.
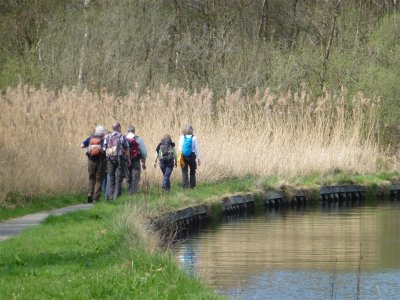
(91, 255)
(157, 202)
(16, 205)
(106, 253)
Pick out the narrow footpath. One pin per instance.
(13, 227)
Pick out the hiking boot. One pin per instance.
(89, 199)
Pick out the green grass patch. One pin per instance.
(91, 255)
(16, 205)
(342, 178)
(157, 202)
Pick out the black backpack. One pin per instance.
(166, 153)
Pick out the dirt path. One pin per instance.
(13, 227)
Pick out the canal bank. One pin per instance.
(189, 218)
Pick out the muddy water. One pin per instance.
(311, 253)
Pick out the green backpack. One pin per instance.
(166, 152)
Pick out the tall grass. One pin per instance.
(263, 134)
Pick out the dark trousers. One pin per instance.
(105, 185)
(166, 169)
(189, 177)
(115, 175)
(133, 176)
(96, 169)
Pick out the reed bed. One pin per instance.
(261, 135)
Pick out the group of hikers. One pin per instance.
(114, 156)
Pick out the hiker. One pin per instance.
(190, 152)
(166, 154)
(138, 155)
(96, 163)
(117, 148)
(104, 186)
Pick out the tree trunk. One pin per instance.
(263, 32)
(329, 46)
(294, 28)
(84, 46)
(176, 33)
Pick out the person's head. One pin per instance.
(116, 127)
(131, 129)
(188, 129)
(167, 137)
(99, 131)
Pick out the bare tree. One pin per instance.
(263, 32)
(294, 28)
(329, 44)
(86, 4)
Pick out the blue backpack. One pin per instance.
(187, 145)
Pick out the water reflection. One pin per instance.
(294, 253)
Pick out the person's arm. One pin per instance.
(85, 143)
(155, 159)
(175, 157)
(142, 148)
(105, 144)
(156, 155)
(196, 149)
(143, 152)
(180, 144)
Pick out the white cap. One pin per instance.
(99, 131)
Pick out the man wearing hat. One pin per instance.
(96, 162)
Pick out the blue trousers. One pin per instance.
(166, 169)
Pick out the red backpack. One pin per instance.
(95, 147)
(133, 147)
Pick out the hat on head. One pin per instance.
(99, 131)
(131, 128)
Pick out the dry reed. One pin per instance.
(262, 135)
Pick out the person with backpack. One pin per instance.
(138, 155)
(96, 163)
(117, 154)
(165, 153)
(104, 187)
(190, 151)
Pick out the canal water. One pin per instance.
(323, 252)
